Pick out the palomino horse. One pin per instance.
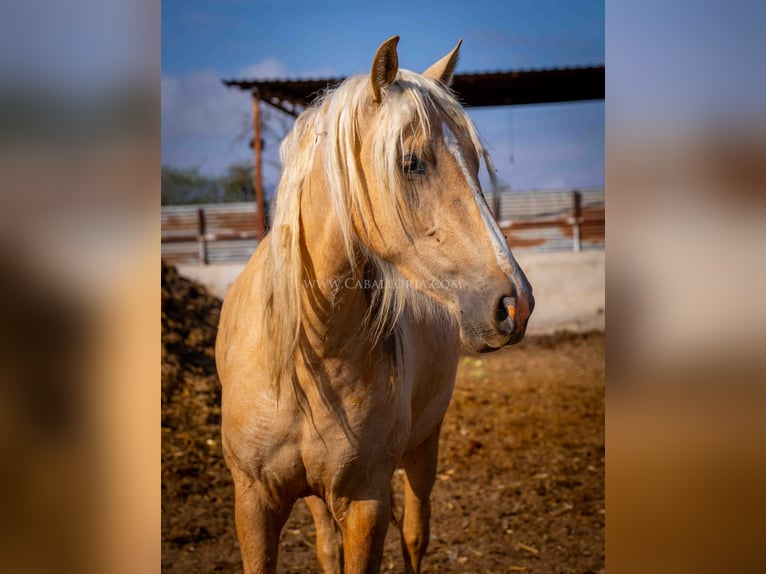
(338, 343)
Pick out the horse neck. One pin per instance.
(334, 306)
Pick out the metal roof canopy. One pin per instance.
(511, 88)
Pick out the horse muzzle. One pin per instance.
(501, 323)
(512, 314)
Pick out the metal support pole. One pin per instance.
(576, 220)
(260, 220)
(201, 235)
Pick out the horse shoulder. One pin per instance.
(238, 328)
(256, 420)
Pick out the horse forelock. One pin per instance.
(330, 131)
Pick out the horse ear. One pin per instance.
(444, 68)
(384, 67)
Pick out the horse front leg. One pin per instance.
(259, 521)
(420, 474)
(329, 541)
(364, 524)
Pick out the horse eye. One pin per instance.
(411, 165)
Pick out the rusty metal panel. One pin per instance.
(544, 220)
(229, 232)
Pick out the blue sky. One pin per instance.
(542, 146)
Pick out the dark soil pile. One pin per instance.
(197, 496)
(521, 467)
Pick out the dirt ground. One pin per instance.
(521, 467)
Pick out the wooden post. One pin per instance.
(576, 220)
(260, 219)
(496, 203)
(201, 235)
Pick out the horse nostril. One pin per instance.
(506, 313)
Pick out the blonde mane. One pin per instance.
(328, 131)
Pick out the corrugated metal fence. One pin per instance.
(208, 233)
(551, 220)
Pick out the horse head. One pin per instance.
(424, 210)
